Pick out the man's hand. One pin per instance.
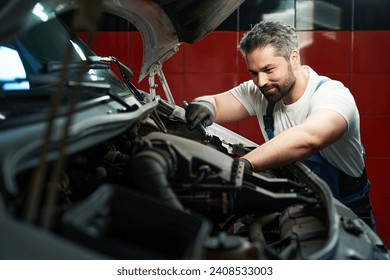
(200, 111)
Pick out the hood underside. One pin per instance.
(163, 24)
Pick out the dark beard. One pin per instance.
(282, 89)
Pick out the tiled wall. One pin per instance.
(347, 40)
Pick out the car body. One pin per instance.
(94, 168)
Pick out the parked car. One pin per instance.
(94, 168)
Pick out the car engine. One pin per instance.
(152, 194)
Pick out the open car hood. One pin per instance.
(163, 24)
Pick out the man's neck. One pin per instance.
(299, 87)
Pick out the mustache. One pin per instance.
(268, 86)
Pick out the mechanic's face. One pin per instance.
(272, 74)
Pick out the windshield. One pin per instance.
(30, 54)
(31, 72)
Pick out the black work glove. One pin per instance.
(200, 111)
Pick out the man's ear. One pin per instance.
(295, 57)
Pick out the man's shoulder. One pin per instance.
(322, 83)
(246, 87)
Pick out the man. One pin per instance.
(303, 116)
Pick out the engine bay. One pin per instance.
(147, 192)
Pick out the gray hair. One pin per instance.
(281, 36)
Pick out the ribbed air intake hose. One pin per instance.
(149, 172)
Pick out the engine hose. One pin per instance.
(148, 173)
(255, 233)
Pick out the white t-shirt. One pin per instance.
(347, 154)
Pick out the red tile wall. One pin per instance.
(359, 59)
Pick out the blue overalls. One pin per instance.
(354, 191)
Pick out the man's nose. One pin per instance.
(261, 79)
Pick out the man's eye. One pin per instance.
(268, 70)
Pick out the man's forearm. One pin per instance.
(282, 150)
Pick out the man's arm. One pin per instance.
(227, 107)
(322, 128)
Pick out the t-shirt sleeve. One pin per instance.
(334, 96)
(248, 94)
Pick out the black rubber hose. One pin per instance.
(148, 172)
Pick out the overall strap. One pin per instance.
(268, 118)
(321, 82)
